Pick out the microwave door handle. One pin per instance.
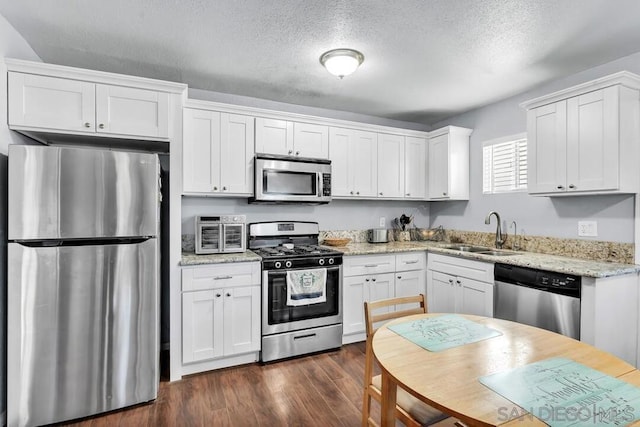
(320, 189)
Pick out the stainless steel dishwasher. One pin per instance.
(539, 298)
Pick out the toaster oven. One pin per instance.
(220, 234)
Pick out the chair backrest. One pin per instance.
(370, 308)
(370, 319)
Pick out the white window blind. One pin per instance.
(504, 165)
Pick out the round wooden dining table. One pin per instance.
(449, 380)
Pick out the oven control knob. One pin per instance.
(287, 264)
(331, 260)
(277, 264)
(321, 261)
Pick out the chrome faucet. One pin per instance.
(516, 242)
(500, 239)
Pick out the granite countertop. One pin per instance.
(190, 258)
(560, 264)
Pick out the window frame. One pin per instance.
(515, 138)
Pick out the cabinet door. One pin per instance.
(274, 136)
(441, 296)
(200, 151)
(341, 169)
(202, 313)
(51, 103)
(236, 153)
(134, 112)
(593, 141)
(355, 293)
(474, 297)
(415, 168)
(409, 283)
(381, 286)
(311, 140)
(363, 158)
(391, 158)
(241, 320)
(547, 148)
(439, 167)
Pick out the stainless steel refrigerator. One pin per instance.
(83, 279)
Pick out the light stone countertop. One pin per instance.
(560, 264)
(190, 258)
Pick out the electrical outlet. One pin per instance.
(383, 221)
(588, 228)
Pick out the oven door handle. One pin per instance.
(284, 272)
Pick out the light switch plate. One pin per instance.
(383, 221)
(588, 228)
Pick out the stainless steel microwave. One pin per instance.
(283, 179)
(223, 233)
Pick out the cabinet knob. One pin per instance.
(224, 188)
(451, 281)
(297, 153)
(366, 280)
(290, 151)
(228, 294)
(572, 186)
(358, 193)
(458, 282)
(87, 125)
(215, 188)
(444, 194)
(218, 295)
(560, 187)
(351, 192)
(408, 194)
(381, 193)
(101, 125)
(373, 280)
(399, 277)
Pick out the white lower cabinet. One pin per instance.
(375, 277)
(220, 315)
(456, 285)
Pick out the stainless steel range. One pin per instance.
(301, 289)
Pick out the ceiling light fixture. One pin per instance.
(341, 62)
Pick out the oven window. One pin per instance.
(280, 312)
(295, 183)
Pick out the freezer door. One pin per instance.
(83, 330)
(75, 193)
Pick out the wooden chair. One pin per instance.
(409, 410)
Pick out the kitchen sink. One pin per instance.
(467, 248)
(499, 253)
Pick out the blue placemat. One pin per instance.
(561, 393)
(443, 332)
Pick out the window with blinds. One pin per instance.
(504, 167)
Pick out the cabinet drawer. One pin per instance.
(368, 264)
(219, 276)
(477, 270)
(411, 261)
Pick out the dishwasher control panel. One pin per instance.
(562, 283)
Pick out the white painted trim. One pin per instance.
(624, 78)
(451, 130)
(509, 138)
(62, 71)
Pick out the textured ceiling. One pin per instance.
(424, 59)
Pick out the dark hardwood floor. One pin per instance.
(318, 390)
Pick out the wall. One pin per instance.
(12, 45)
(337, 215)
(557, 217)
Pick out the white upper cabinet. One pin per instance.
(287, 138)
(583, 140)
(217, 153)
(448, 166)
(354, 163)
(391, 165)
(59, 105)
(415, 168)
